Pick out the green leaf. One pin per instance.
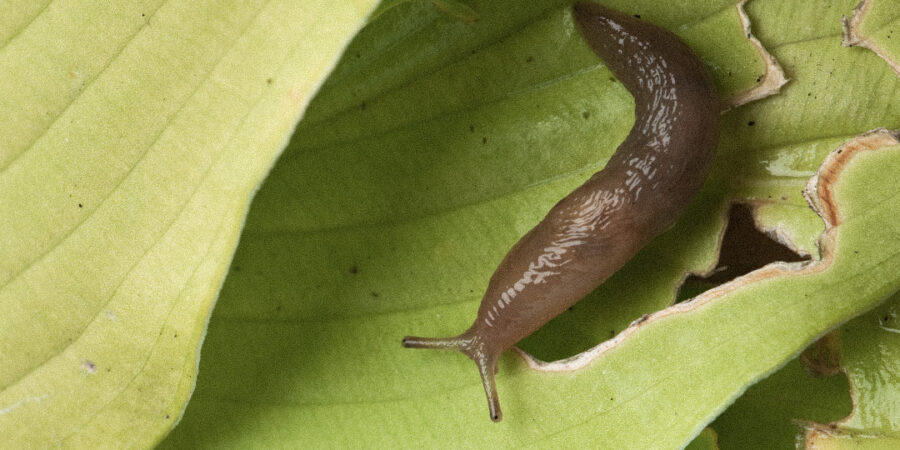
(872, 25)
(706, 440)
(869, 348)
(137, 134)
(766, 416)
(134, 136)
(870, 356)
(436, 143)
(791, 406)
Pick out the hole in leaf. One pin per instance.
(744, 249)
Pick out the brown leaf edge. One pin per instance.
(824, 436)
(854, 38)
(770, 82)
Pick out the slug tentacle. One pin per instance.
(592, 232)
(471, 346)
(453, 343)
(487, 368)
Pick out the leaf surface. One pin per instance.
(437, 142)
(134, 136)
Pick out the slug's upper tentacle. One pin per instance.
(595, 230)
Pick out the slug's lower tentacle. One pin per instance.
(487, 367)
(472, 347)
(595, 230)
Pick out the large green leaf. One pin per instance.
(869, 349)
(765, 417)
(137, 133)
(437, 142)
(133, 137)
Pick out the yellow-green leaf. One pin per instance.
(133, 136)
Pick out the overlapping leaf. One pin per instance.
(132, 139)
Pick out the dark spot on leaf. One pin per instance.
(840, 151)
(167, 416)
(612, 79)
(89, 366)
(278, 308)
(80, 205)
(354, 269)
(586, 114)
(237, 268)
(484, 140)
(269, 81)
(176, 335)
(357, 55)
(374, 294)
(471, 128)
(637, 16)
(529, 59)
(751, 123)
(362, 106)
(759, 78)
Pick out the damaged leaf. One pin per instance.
(875, 24)
(434, 145)
(137, 134)
(869, 349)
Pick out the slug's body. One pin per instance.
(595, 230)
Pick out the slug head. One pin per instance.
(473, 347)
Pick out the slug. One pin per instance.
(591, 233)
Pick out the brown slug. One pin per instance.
(591, 233)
